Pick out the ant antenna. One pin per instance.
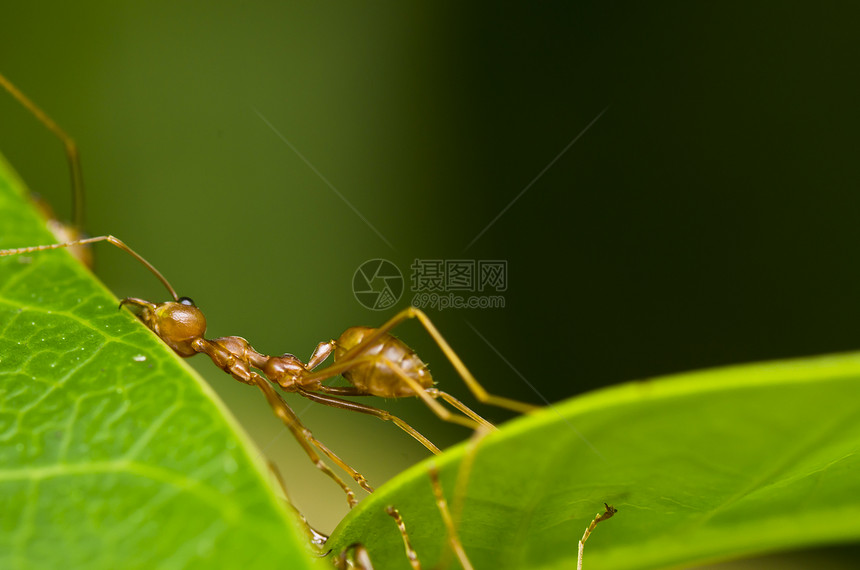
(69, 145)
(110, 239)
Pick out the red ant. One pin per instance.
(373, 361)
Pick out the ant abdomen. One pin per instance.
(376, 376)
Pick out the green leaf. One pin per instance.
(113, 453)
(701, 466)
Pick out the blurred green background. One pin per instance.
(708, 217)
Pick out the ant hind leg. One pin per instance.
(471, 382)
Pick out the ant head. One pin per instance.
(178, 323)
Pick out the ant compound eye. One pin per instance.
(187, 301)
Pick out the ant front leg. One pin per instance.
(314, 536)
(235, 356)
(308, 441)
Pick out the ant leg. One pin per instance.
(353, 556)
(358, 477)
(111, 240)
(407, 544)
(68, 144)
(610, 510)
(436, 393)
(235, 356)
(452, 517)
(424, 393)
(447, 519)
(315, 537)
(307, 440)
(474, 386)
(321, 352)
(356, 556)
(429, 395)
(364, 409)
